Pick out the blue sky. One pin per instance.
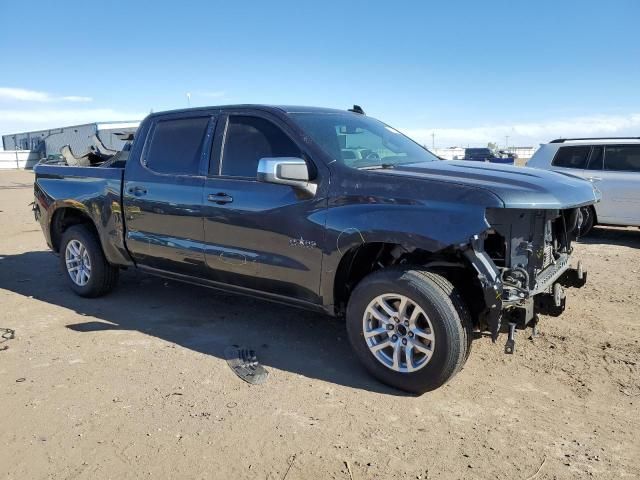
(469, 71)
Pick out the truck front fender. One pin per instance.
(429, 226)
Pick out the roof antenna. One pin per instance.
(357, 109)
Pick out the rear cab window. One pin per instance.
(572, 156)
(176, 146)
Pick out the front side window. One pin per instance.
(571, 157)
(247, 140)
(361, 142)
(176, 146)
(623, 158)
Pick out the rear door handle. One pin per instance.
(220, 198)
(138, 191)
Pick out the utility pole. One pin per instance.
(506, 142)
(433, 140)
(189, 99)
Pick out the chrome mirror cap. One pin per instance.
(290, 171)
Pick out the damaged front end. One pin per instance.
(523, 265)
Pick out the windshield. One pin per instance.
(361, 142)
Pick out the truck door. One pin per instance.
(260, 236)
(619, 182)
(162, 196)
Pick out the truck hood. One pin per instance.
(517, 187)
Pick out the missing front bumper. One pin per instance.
(552, 303)
(517, 306)
(548, 298)
(574, 277)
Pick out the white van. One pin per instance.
(612, 164)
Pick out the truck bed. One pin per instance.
(96, 191)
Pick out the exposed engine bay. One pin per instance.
(523, 261)
(529, 247)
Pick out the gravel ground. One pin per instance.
(135, 384)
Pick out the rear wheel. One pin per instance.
(87, 270)
(410, 328)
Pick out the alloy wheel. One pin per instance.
(78, 262)
(398, 332)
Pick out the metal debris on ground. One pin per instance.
(6, 334)
(539, 468)
(349, 469)
(292, 459)
(245, 364)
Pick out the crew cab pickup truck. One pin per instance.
(416, 253)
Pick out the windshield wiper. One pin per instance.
(383, 166)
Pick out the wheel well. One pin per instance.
(594, 213)
(364, 259)
(64, 218)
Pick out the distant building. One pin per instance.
(79, 137)
(451, 153)
(457, 153)
(523, 152)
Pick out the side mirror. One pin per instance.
(286, 171)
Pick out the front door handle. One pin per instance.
(594, 179)
(138, 191)
(220, 198)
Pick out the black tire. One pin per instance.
(586, 220)
(103, 277)
(440, 301)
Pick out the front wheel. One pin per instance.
(87, 270)
(409, 327)
(586, 220)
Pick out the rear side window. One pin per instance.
(571, 157)
(176, 146)
(623, 158)
(248, 139)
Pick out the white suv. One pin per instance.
(612, 164)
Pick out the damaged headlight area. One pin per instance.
(523, 263)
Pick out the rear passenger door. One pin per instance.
(261, 236)
(619, 182)
(162, 196)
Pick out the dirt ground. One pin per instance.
(135, 384)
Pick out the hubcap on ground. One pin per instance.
(78, 262)
(398, 332)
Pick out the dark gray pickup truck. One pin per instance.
(329, 210)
